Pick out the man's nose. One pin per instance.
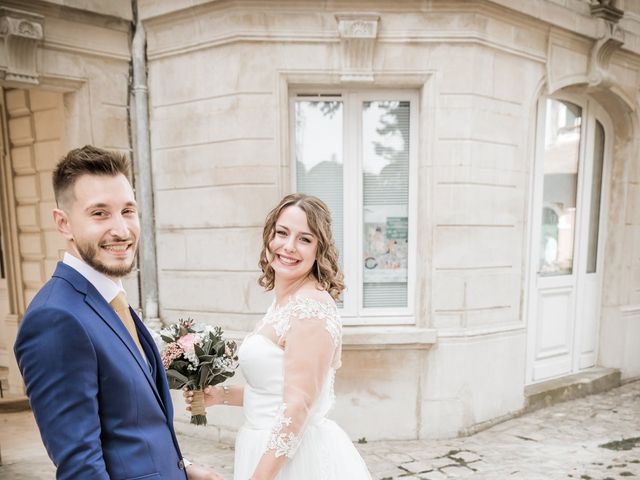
(119, 227)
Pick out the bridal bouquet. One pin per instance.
(196, 356)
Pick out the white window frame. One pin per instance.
(353, 311)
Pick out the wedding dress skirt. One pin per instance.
(325, 452)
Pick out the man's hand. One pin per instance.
(194, 472)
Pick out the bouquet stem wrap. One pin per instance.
(198, 415)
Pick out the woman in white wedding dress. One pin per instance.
(290, 359)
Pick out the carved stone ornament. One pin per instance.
(358, 33)
(609, 41)
(606, 9)
(20, 32)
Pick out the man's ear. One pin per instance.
(61, 219)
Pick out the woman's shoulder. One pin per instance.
(313, 299)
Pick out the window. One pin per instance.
(356, 152)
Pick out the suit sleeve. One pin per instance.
(59, 367)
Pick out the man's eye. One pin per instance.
(99, 214)
(129, 211)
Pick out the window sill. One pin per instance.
(379, 337)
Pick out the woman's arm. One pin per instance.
(308, 352)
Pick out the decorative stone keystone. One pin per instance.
(358, 34)
(610, 39)
(20, 33)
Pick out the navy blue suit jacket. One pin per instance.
(103, 412)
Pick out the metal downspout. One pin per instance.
(144, 179)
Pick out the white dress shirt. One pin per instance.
(105, 286)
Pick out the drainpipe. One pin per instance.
(143, 177)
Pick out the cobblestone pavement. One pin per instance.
(594, 438)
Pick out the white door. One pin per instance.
(567, 237)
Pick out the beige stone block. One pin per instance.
(22, 160)
(46, 214)
(173, 168)
(44, 99)
(54, 245)
(49, 268)
(216, 249)
(48, 154)
(20, 131)
(482, 154)
(454, 123)
(94, 39)
(32, 272)
(17, 102)
(228, 321)
(46, 186)
(26, 188)
(30, 244)
(49, 124)
(212, 292)
(28, 217)
(633, 204)
(111, 127)
(478, 294)
(130, 284)
(477, 204)
(237, 206)
(201, 171)
(515, 79)
(30, 293)
(476, 246)
(370, 381)
(460, 392)
(214, 120)
(111, 86)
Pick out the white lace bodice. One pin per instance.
(289, 364)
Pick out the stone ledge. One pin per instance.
(376, 337)
(14, 403)
(593, 380)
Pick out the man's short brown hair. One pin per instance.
(88, 160)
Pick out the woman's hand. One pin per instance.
(212, 396)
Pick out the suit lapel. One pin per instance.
(109, 316)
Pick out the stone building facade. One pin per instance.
(480, 159)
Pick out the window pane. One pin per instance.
(596, 193)
(561, 158)
(318, 153)
(385, 151)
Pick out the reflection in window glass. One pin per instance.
(560, 165)
(385, 151)
(319, 172)
(596, 193)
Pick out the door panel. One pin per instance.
(567, 233)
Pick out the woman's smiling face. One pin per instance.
(293, 246)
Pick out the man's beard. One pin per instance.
(89, 254)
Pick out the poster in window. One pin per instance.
(385, 247)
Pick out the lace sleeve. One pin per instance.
(312, 337)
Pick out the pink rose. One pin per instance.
(187, 342)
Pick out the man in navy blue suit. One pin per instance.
(93, 374)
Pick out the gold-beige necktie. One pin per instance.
(121, 306)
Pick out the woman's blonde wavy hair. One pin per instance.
(325, 270)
